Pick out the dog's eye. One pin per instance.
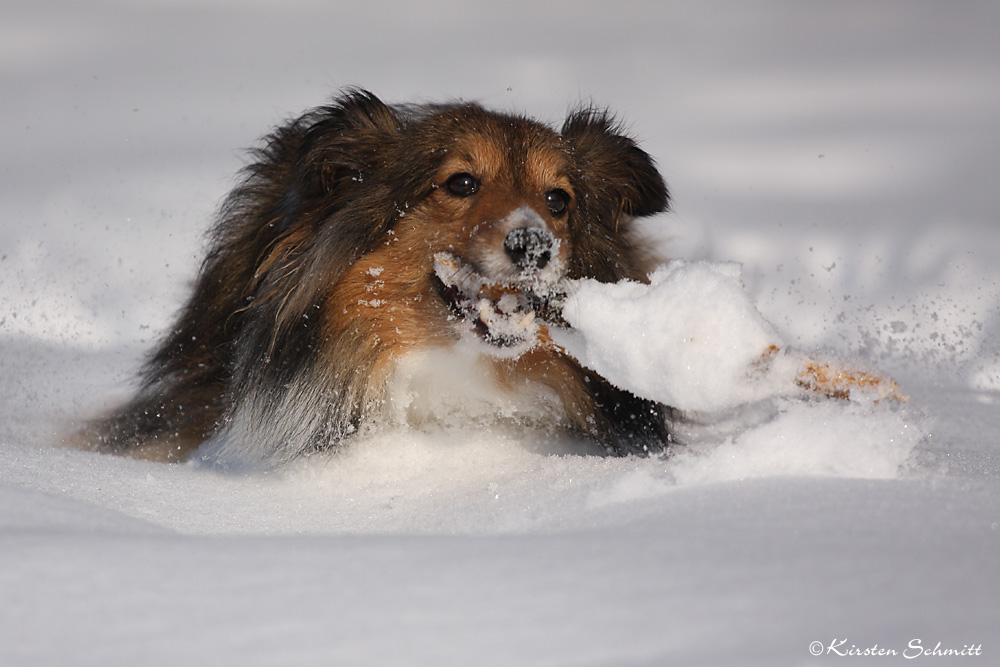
(557, 200)
(462, 185)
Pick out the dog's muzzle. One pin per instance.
(504, 316)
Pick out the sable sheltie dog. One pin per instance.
(377, 262)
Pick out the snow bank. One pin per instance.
(815, 439)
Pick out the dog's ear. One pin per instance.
(614, 181)
(342, 142)
(611, 168)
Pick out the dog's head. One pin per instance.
(529, 207)
(494, 209)
(497, 219)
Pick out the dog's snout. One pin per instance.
(529, 248)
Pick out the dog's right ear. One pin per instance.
(311, 165)
(343, 169)
(342, 142)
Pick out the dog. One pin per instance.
(387, 263)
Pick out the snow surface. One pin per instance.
(845, 155)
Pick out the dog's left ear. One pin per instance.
(613, 181)
(611, 169)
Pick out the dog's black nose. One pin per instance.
(529, 248)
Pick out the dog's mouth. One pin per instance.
(507, 317)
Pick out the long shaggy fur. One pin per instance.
(320, 278)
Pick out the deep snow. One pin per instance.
(845, 156)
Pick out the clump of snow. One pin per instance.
(691, 338)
